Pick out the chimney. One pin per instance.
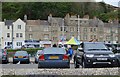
(4, 20)
(50, 18)
(25, 17)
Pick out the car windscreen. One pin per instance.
(54, 51)
(95, 46)
(19, 53)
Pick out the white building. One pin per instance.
(1, 35)
(18, 33)
(14, 32)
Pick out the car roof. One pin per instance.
(54, 50)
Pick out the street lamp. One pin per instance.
(63, 32)
(78, 27)
(12, 36)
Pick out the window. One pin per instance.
(17, 34)
(108, 38)
(46, 36)
(85, 37)
(91, 37)
(30, 36)
(21, 35)
(19, 43)
(94, 29)
(90, 29)
(30, 29)
(19, 26)
(8, 27)
(85, 29)
(94, 36)
(61, 29)
(72, 29)
(8, 35)
(45, 28)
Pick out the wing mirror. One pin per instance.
(80, 49)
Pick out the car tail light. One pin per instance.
(15, 57)
(25, 57)
(65, 57)
(41, 57)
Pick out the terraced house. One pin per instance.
(44, 33)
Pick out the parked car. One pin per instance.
(4, 57)
(38, 53)
(117, 54)
(21, 56)
(54, 57)
(8, 47)
(94, 54)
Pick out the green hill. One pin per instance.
(40, 10)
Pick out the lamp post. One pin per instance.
(78, 28)
(78, 25)
(12, 36)
(63, 32)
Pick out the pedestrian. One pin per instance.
(70, 52)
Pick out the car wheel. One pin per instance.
(76, 64)
(84, 64)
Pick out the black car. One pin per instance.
(93, 54)
(4, 56)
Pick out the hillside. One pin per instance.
(41, 10)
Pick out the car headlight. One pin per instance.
(89, 55)
(111, 55)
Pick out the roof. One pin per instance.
(44, 22)
(9, 22)
(58, 20)
(95, 22)
(33, 22)
(111, 25)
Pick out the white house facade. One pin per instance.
(18, 33)
(1, 35)
(14, 33)
(7, 33)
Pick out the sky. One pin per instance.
(111, 2)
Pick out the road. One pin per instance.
(25, 66)
(31, 65)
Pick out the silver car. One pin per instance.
(38, 53)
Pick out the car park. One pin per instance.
(38, 53)
(21, 56)
(54, 57)
(4, 55)
(93, 54)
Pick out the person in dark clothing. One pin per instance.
(54, 45)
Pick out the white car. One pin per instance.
(38, 53)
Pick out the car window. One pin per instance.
(53, 50)
(95, 46)
(21, 53)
